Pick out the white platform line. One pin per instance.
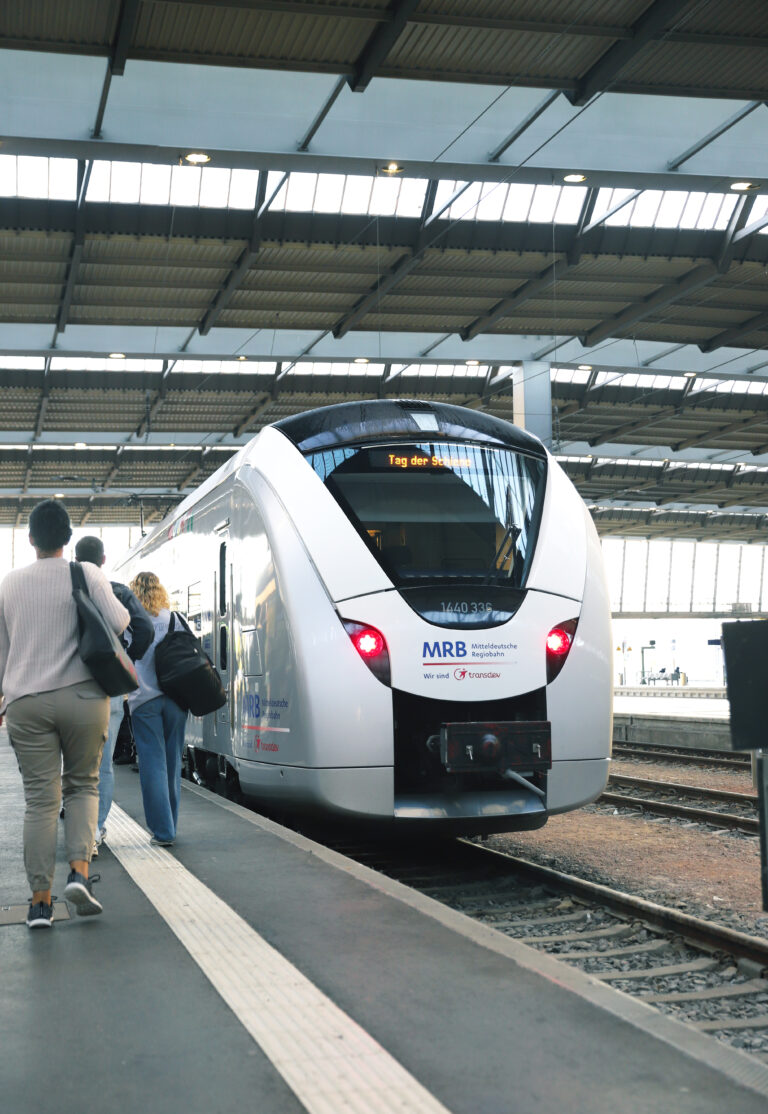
(330, 1062)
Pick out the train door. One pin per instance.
(223, 638)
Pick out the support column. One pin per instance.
(532, 399)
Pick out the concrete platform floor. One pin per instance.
(251, 969)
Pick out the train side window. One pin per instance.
(223, 636)
(223, 578)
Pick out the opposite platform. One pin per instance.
(252, 969)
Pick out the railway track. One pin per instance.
(705, 974)
(682, 756)
(743, 819)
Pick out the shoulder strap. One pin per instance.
(183, 622)
(171, 624)
(78, 576)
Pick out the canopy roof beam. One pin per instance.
(649, 26)
(380, 43)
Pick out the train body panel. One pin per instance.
(452, 540)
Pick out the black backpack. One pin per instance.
(186, 673)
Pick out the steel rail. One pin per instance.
(684, 812)
(710, 936)
(685, 790)
(628, 750)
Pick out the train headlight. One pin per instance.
(372, 648)
(559, 642)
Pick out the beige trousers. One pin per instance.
(69, 726)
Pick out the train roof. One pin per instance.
(402, 419)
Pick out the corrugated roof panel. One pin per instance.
(238, 33)
(130, 315)
(516, 57)
(159, 250)
(85, 22)
(737, 70)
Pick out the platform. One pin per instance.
(252, 969)
(675, 717)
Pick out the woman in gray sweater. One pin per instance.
(56, 711)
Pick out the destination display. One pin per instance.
(418, 461)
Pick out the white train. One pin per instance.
(406, 602)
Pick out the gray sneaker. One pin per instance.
(79, 891)
(40, 915)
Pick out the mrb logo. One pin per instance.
(445, 650)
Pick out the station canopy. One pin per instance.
(217, 213)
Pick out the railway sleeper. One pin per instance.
(754, 986)
(702, 964)
(623, 929)
(553, 918)
(759, 1022)
(636, 949)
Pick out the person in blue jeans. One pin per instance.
(158, 723)
(137, 638)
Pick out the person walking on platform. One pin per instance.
(140, 633)
(56, 711)
(158, 723)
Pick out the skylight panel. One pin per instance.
(330, 190)
(759, 209)
(692, 210)
(62, 179)
(125, 182)
(545, 200)
(646, 209)
(709, 210)
(411, 200)
(242, 189)
(98, 183)
(518, 203)
(300, 195)
(384, 196)
(214, 187)
(607, 199)
(726, 209)
(155, 184)
(185, 185)
(32, 176)
(357, 193)
(570, 205)
(446, 188)
(465, 207)
(492, 200)
(671, 208)
(23, 363)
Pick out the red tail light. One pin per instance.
(559, 642)
(372, 648)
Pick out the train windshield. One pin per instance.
(441, 512)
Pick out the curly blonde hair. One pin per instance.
(150, 592)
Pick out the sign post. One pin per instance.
(745, 646)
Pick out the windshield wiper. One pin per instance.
(508, 545)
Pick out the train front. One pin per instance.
(466, 577)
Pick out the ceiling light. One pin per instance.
(472, 363)
(742, 187)
(574, 178)
(59, 495)
(361, 359)
(117, 355)
(689, 374)
(392, 168)
(197, 158)
(80, 445)
(585, 367)
(242, 357)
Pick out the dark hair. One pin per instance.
(90, 549)
(49, 525)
